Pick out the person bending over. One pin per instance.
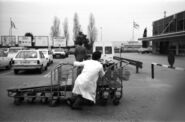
(86, 83)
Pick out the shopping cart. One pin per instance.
(62, 82)
(60, 87)
(110, 86)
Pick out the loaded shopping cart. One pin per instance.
(60, 87)
(110, 86)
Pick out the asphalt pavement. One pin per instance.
(144, 98)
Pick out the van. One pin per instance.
(106, 49)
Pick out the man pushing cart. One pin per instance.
(65, 85)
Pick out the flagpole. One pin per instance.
(10, 31)
(133, 31)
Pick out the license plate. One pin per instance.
(25, 62)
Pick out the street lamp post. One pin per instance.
(121, 49)
(101, 33)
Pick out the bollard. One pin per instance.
(152, 70)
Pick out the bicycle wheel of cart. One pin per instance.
(43, 99)
(17, 101)
(116, 101)
(53, 102)
(31, 99)
(103, 101)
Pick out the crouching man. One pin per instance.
(86, 83)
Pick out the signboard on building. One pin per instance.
(59, 41)
(8, 41)
(24, 41)
(41, 40)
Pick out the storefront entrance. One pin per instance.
(163, 48)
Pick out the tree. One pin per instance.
(82, 38)
(92, 31)
(76, 27)
(28, 34)
(66, 31)
(55, 29)
(145, 32)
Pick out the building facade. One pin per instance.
(168, 35)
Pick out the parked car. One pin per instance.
(6, 50)
(145, 50)
(71, 51)
(5, 62)
(59, 53)
(29, 59)
(13, 51)
(48, 55)
(67, 52)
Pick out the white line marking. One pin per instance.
(6, 73)
(47, 75)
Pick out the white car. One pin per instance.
(6, 50)
(13, 51)
(59, 53)
(5, 62)
(48, 55)
(29, 59)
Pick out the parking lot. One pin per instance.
(145, 99)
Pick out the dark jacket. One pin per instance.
(80, 53)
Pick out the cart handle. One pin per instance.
(61, 64)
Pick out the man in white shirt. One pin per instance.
(86, 83)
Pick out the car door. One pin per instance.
(50, 55)
(42, 59)
(3, 59)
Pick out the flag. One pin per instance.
(12, 25)
(135, 25)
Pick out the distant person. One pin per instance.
(80, 55)
(86, 83)
(80, 52)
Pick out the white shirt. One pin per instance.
(86, 82)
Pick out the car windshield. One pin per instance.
(27, 54)
(13, 50)
(2, 54)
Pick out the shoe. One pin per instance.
(71, 100)
(77, 104)
(88, 102)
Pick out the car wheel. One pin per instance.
(16, 71)
(41, 70)
(46, 68)
(9, 66)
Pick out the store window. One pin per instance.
(179, 22)
(173, 26)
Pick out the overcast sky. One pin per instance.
(114, 16)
